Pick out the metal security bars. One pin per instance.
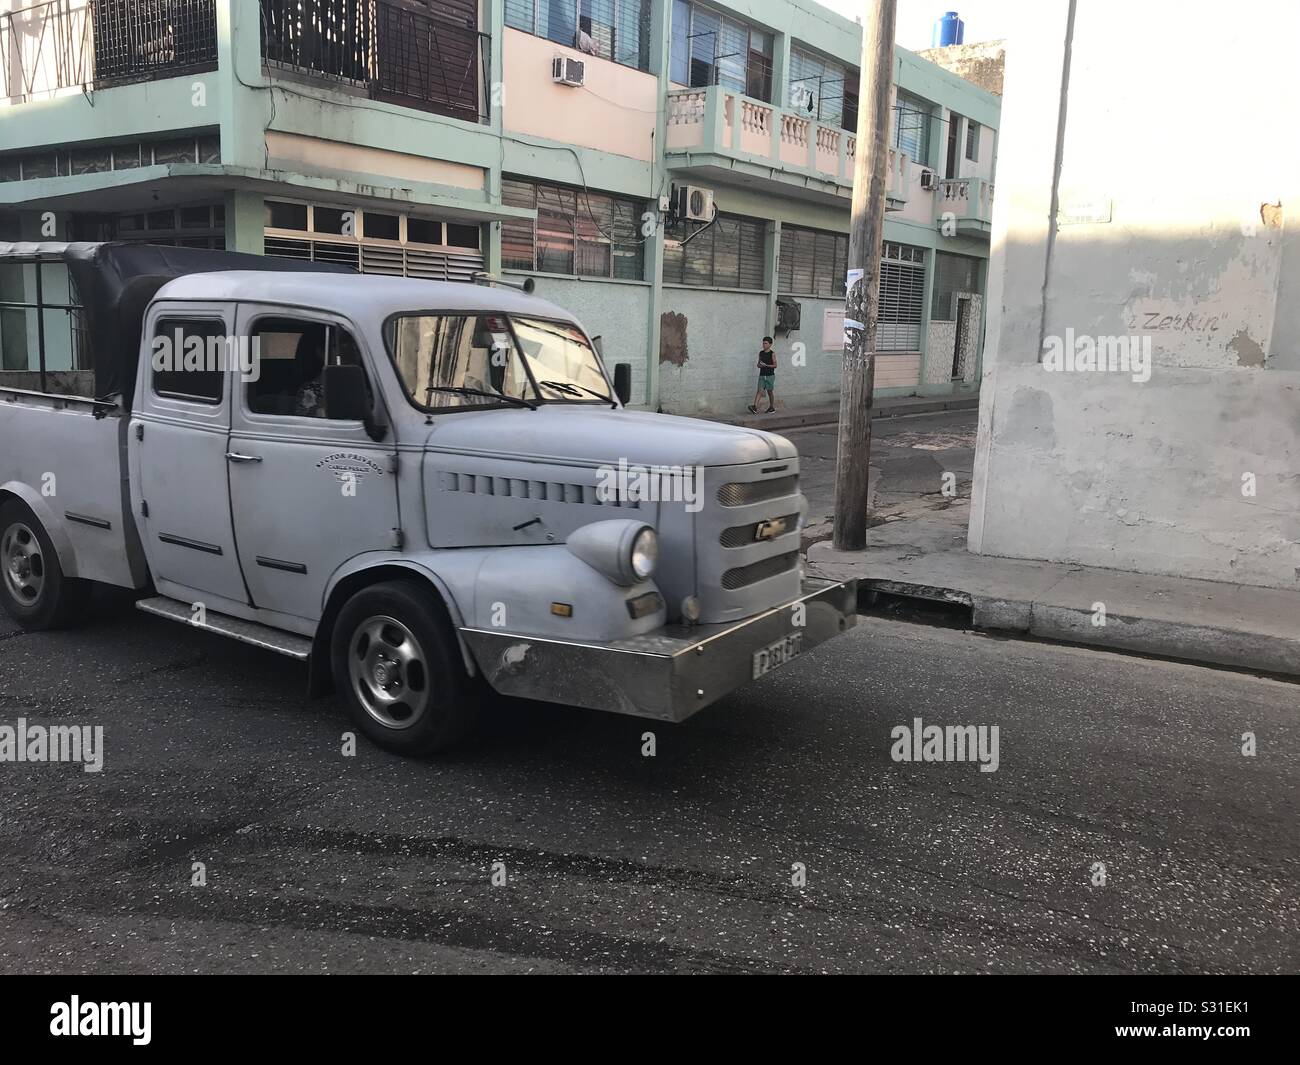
(729, 252)
(426, 55)
(140, 40)
(44, 48)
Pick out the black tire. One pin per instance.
(33, 589)
(397, 663)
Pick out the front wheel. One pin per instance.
(397, 662)
(33, 588)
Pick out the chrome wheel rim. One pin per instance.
(24, 564)
(389, 672)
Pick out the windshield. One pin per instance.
(476, 360)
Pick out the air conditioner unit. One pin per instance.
(566, 71)
(802, 99)
(693, 204)
(929, 179)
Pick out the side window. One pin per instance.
(290, 355)
(189, 357)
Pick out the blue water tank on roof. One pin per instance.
(948, 30)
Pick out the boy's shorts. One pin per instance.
(767, 381)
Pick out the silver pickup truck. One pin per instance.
(423, 489)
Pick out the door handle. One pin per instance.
(235, 456)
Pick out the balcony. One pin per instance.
(717, 132)
(94, 44)
(432, 58)
(966, 204)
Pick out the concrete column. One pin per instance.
(771, 274)
(243, 104)
(931, 268)
(245, 221)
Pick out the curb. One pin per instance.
(1163, 637)
(831, 415)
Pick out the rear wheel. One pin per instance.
(33, 588)
(397, 662)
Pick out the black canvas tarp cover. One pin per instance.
(114, 284)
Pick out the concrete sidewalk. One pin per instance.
(890, 407)
(923, 556)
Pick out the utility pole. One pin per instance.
(857, 378)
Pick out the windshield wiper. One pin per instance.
(570, 389)
(462, 390)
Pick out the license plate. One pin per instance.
(777, 654)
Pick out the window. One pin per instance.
(587, 234)
(189, 358)
(397, 244)
(812, 262)
(902, 298)
(823, 89)
(952, 274)
(709, 48)
(972, 141)
(912, 127)
(291, 357)
(609, 29)
(729, 252)
(195, 226)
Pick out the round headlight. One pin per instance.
(645, 553)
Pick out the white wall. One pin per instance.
(1182, 252)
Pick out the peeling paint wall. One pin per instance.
(1189, 256)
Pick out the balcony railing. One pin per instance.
(966, 201)
(429, 56)
(85, 44)
(716, 119)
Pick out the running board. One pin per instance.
(285, 643)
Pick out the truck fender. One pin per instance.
(55, 527)
(376, 567)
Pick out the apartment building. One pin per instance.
(676, 173)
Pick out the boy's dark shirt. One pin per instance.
(767, 363)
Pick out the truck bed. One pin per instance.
(64, 456)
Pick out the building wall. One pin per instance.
(1195, 471)
(614, 311)
(716, 373)
(981, 63)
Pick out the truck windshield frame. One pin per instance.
(543, 381)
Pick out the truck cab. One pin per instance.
(426, 490)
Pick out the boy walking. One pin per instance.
(766, 378)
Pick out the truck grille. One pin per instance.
(742, 493)
(740, 535)
(759, 571)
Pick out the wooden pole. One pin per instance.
(866, 234)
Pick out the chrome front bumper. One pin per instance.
(668, 674)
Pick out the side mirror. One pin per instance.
(345, 393)
(623, 381)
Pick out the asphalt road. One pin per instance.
(316, 862)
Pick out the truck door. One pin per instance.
(307, 493)
(178, 454)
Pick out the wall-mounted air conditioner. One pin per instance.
(692, 203)
(929, 179)
(566, 71)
